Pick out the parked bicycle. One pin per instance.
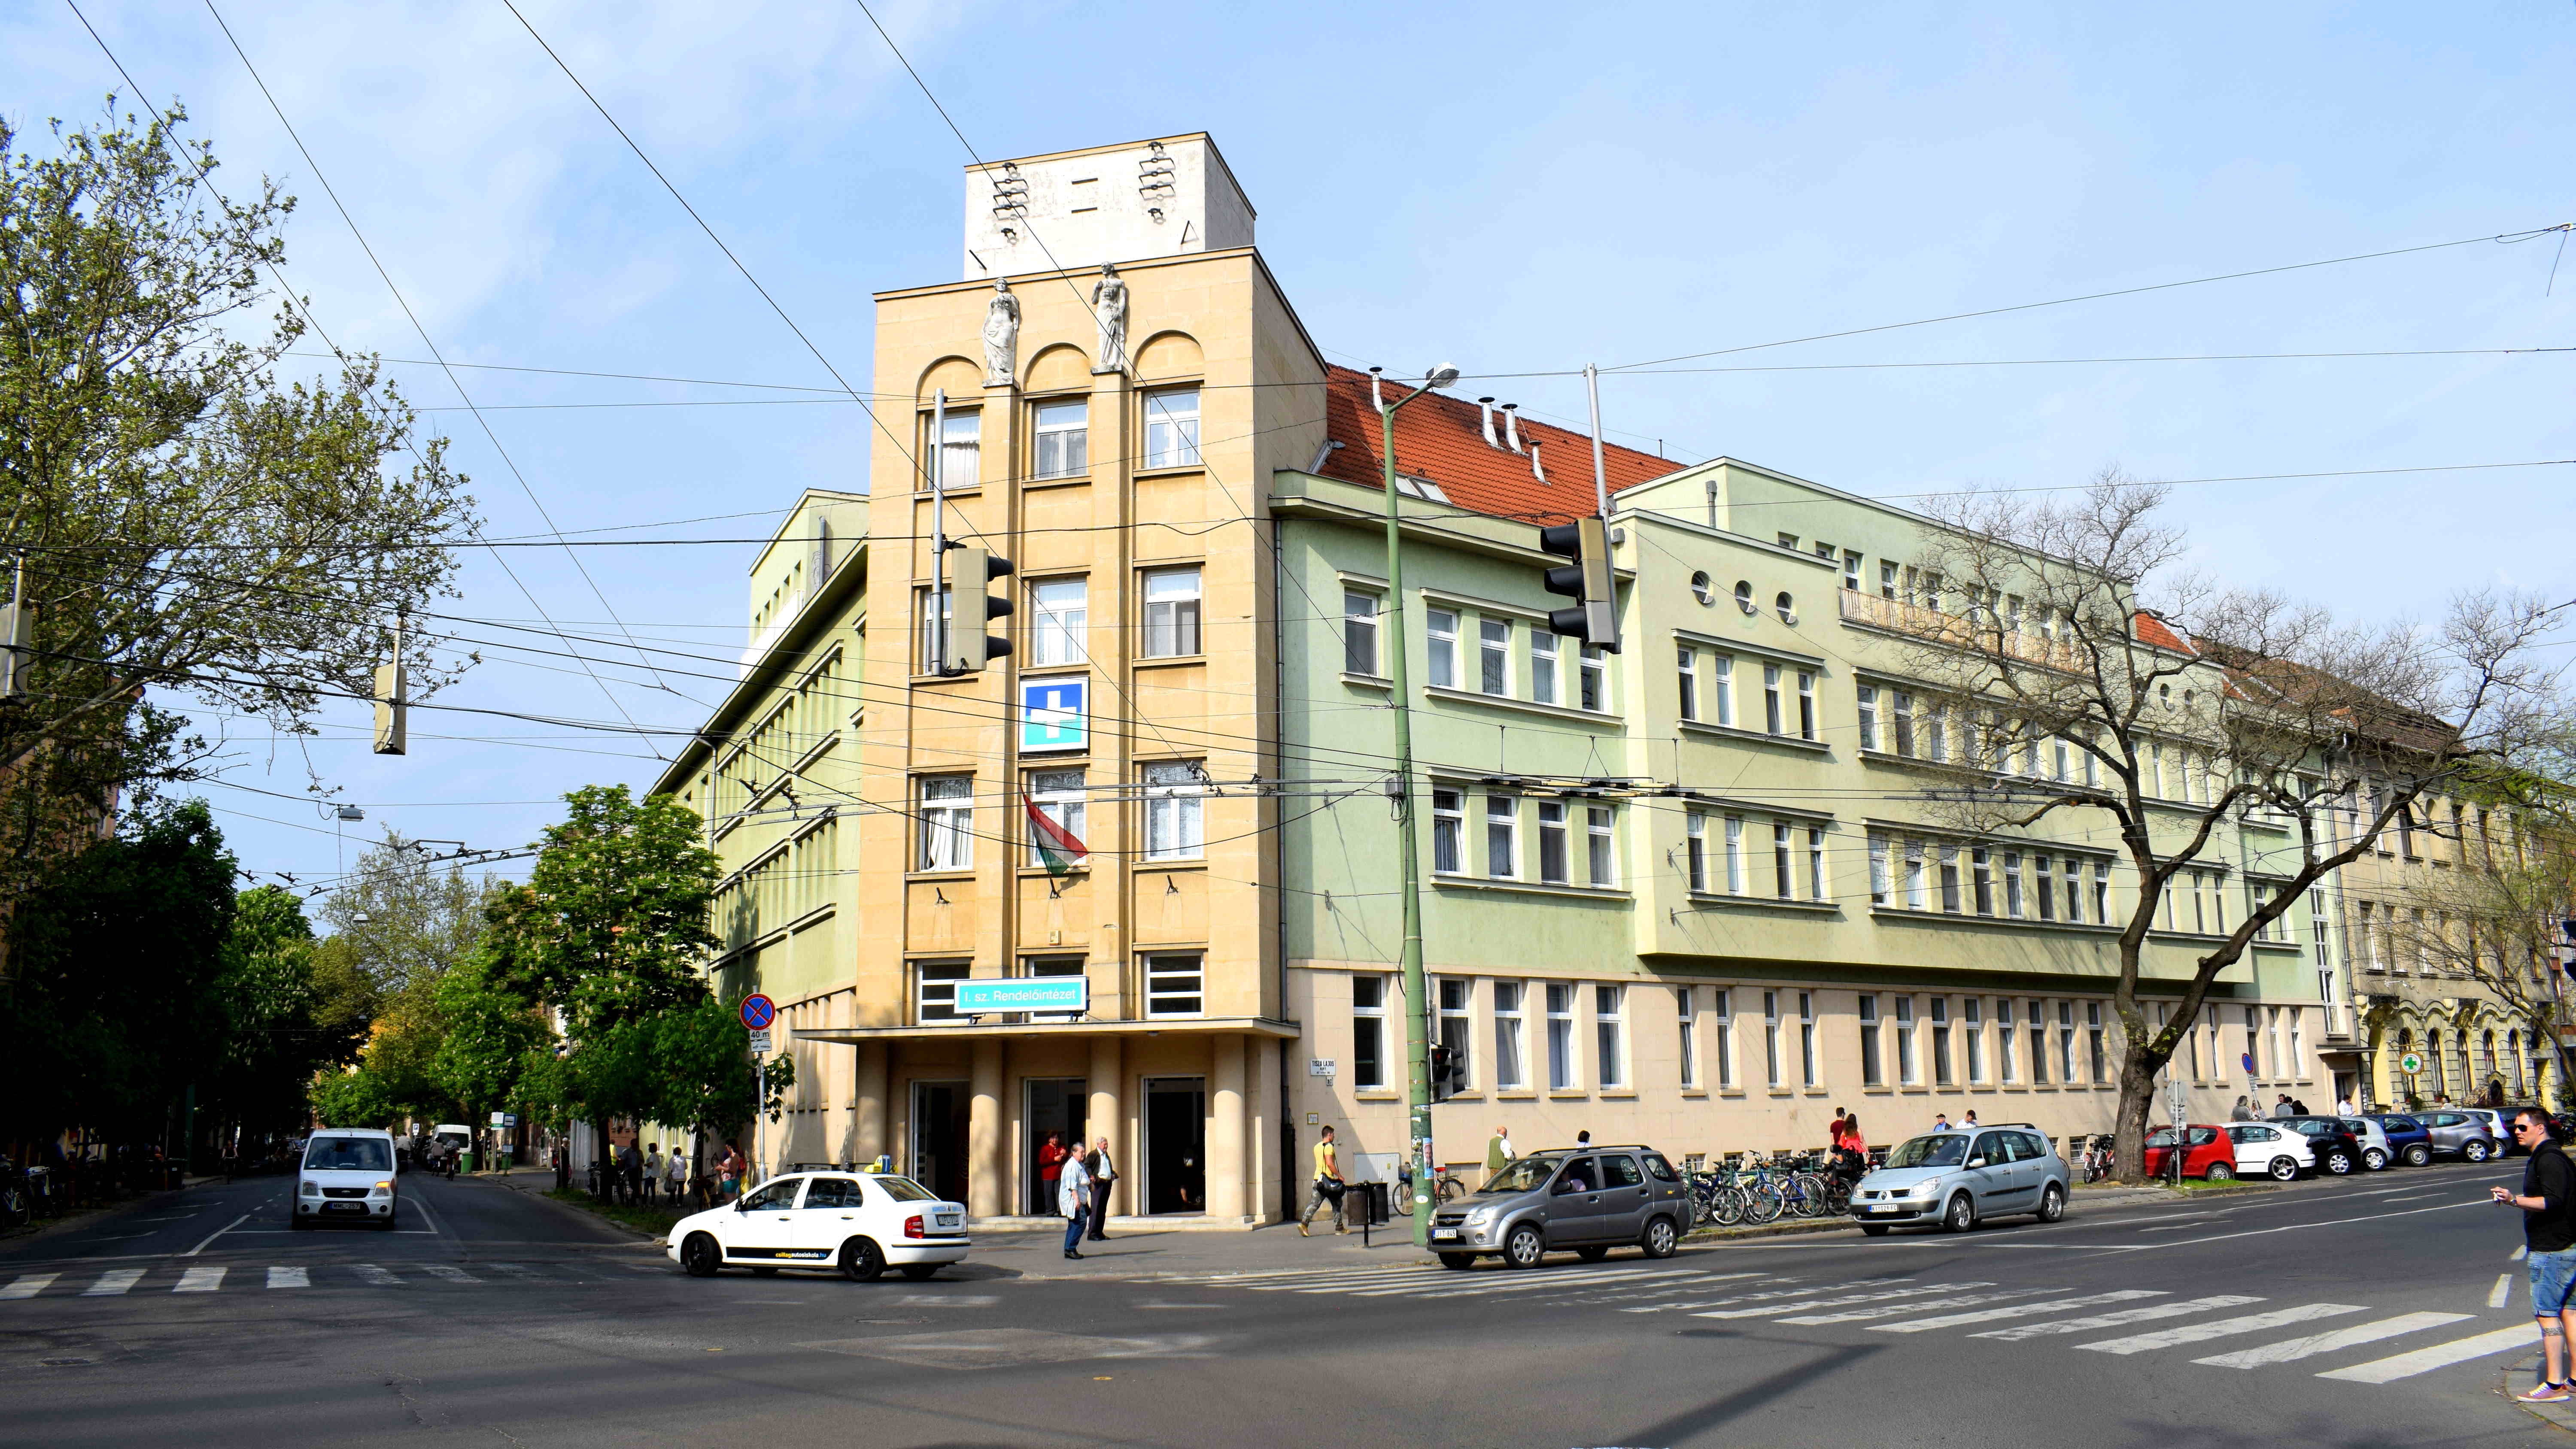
(2100, 1158)
(17, 1205)
(1445, 1187)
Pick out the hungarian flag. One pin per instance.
(1060, 849)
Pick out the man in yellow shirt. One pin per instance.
(1328, 1185)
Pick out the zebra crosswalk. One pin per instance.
(2125, 1322)
(220, 1278)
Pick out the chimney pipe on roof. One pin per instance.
(1377, 399)
(1512, 426)
(1535, 470)
(1485, 409)
(1323, 455)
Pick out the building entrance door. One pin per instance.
(939, 1138)
(1176, 1144)
(1058, 1105)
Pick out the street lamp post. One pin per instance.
(1417, 1015)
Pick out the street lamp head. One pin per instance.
(1441, 376)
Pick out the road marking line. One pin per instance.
(113, 1282)
(28, 1285)
(1348, 1280)
(2291, 1350)
(449, 1272)
(2519, 1253)
(1891, 1310)
(200, 1280)
(2413, 1197)
(288, 1278)
(1768, 1309)
(219, 1232)
(514, 1270)
(2224, 1237)
(2221, 1328)
(2406, 1365)
(2123, 1317)
(2018, 1310)
(2502, 1290)
(1472, 1288)
(1799, 1292)
(1180, 1305)
(377, 1274)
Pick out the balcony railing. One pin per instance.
(1877, 611)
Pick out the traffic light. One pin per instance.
(1595, 620)
(392, 711)
(968, 646)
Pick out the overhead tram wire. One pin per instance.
(426, 341)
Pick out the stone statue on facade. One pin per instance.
(1001, 335)
(1109, 306)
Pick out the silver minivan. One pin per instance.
(347, 1176)
(1960, 1177)
(1583, 1200)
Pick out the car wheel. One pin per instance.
(1961, 1215)
(1875, 1230)
(2221, 1172)
(2283, 1169)
(1592, 1254)
(2052, 1203)
(919, 1272)
(2375, 1160)
(699, 1257)
(862, 1261)
(2477, 1150)
(2418, 1155)
(1660, 1240)
(1524, 1247)
(1458, 1262)
(2337, 1163)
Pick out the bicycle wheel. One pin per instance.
(1762, 1204)
(1451, 1189)
(1726, 1206)
(1402, 1192)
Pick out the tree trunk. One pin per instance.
(2138, 1068)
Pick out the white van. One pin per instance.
(347, 1176)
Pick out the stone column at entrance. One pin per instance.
(868, 1134)
(987, 1177)
(1225, 1171)
(1108, 1112)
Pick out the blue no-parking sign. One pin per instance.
(758, 1012)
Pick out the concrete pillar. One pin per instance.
(1226, 1164)
(987, 1182)
(1108, 1116)
(1262, 1149)
(869, 1107)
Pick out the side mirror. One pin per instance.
(1976, 1162)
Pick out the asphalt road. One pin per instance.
(2384, 1309)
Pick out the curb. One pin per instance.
(584, 1214)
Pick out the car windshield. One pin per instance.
(904, 1189)
(1526, 1175)
(1941, 1149)
(2161, 1137)
(348, 1154)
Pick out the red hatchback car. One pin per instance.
(2203, 1146)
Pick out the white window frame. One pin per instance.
(1906, 1066)
(1174, 612)
(1058, 801)
(1360, 608)
(1865, 699)
(1721, 687)
(1601, 849)
(1686, 1042)
(1592, 666)
(1059, 619)
(1369, 992)
(1610, 1036)
(1448, 828)
(1554, 858)
(1172, 428)
(1686, 676)
(1734, 855)
(1545, 671)
(1502, 826)
(1175, 984)
(1511, 1061)
(1695, 850)
(1493, 656)
(1061, 426)
(1440, 633)
(1175, 820)
(946, 838)
(960, 454)
(1561, 1066)
(934, 997)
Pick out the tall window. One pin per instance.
(2093, 1053)
(934, 610)
(947, 823)
(1359, 632)
(1784, 869)
(1171, 613)
(1867, 696)
(1494, 656)
(1057, 795)
(1502, 849)
(1610, 1035)
(2038, 1048)
(1508, 1075)
(1806, 705)
(1688, 667)
(2075, 890)
(1721, 688)
(1734, 856)
(1174, 984)
(1870, 1072)
(1172, 428)
(1442, 627)
(1695, 850)
(1064, 438)
(1722, 1024)
(1940, 1041)
(1543, 675)
(1594, 666)
(1368, 1031)
(1772, 713)
(1448, 832)
(1905, 1040)
(1878, 876)
(1981, 876)
(2012, 884)
(2045, 894)
(1059, 613)
(1851, 569)
(1600, 853)
(961, 450)
(1551, 842)
(1916, 894)
(1172, 823)
(1816, 864)
(1560, 1037)
(1685, 1012)
(1973, 1035)
(2066, 1042)
(1950, 879)
(1807, 1064)
(1771, 1037)
(1886, 579)
(2102, 892)
(934, 990)
(1902, 707)
(2004, 1053)
(1455, 1028)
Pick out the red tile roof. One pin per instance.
(2152, 631)
(1442, 438)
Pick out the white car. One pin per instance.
(2376, 1154)
(347, 1176)
(2263, 1150)
(858, 1223)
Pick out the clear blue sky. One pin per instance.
(1495, 185)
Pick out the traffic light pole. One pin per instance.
(1417, 1015)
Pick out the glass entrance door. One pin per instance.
(1058, 1114)
(1176, 1144)
(939, 1138)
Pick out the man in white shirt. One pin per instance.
(1103, 1172)
(1073, 1199)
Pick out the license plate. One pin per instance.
(1878, 1210)
(344, 1207)
(947, 1220)
(1444, 1232)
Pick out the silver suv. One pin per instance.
(1958, 1177)
(1588, 1200)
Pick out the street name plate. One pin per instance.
(1026, 993)
(1319, 1066)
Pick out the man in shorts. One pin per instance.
(2548, 1203)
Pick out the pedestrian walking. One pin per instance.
(2282, 1108)
(1969, 1122)
(1940, 1121)
(1498, 1151)
(1103, 1172)
(1051, 1155)
(729, 1174)
(632, 1163)
(2548, 1203)
(1073, 1199)
(652, 1172)
(675, 1176)
(1834, 1129)
(2344, 1107)
(1328, 1185)
(2243, 1111)
(1582, 1139)
(2298, 1106)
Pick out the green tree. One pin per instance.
(190, 521)
(355, 1097)
(268, 997)
(402, 917)
(490, 1032)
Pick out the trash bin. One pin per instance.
(1365, 1202)
(465, 1163)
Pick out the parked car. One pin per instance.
(857, 1223)
(2338, 1151)
(2376, 1150)
(2457, 1133)
(1585, 1202)
(2268, 1149)
(1958, 1178)
(2499, 1125)
(2202, 1146)
(2407, 1137)
(347, 1176)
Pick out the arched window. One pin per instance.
(2513, 1055)
(2433, 1059)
